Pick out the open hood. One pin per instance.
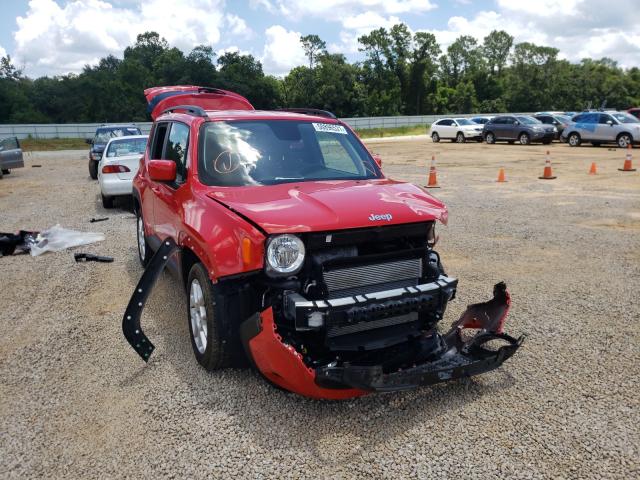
(161, 98)
(331, 205)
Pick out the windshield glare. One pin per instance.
(103, 135)
(625, 118)
(267, 152)
(122, 148)
(563, 118)
(528, 120)
(464, 121)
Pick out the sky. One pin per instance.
(55, 37)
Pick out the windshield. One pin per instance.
(528, 120)
(464, 121)
(103, 135)
(122, 148)
(267, 152)
(563, 118)
(625, 117)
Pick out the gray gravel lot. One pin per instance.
(77, 402)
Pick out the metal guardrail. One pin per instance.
(87, 130)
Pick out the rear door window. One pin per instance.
(159, 137)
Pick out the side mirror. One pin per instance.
(162, 170)
(377, 158)
(516, 122)
(610, 123)
(88, 140)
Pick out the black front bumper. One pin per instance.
(459, 360)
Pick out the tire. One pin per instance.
(460, 138)
(435, 138)
(546, 142)
(1, 174)
(144, 249)
(490, 138)
(524, 139)
(511, 142)
(205, 308)
(574, 139)
(107, 202)
(595, 144)
(6, 171)
(623, 140)
(93, 169)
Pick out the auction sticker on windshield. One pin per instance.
(330, 128)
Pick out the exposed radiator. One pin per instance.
(358, 278)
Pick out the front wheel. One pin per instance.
(144, 250)
(624, 140)
(93, 169)
(490, 138)
(524, 139)
(435, 138)
(574, 140)
(205, 308)
(6, 171)
(460, 137)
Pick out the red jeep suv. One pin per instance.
(296, 252)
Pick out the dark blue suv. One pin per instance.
(103, 134)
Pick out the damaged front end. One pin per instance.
(425, 359)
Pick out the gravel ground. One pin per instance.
(77, 402)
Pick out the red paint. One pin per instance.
(162, 170)
(283, 365)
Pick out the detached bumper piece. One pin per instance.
(131, 319)
(440, 357)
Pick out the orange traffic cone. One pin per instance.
(501, 178)
(593, 170)
(433, 178)
(628, 166)
(547, 174)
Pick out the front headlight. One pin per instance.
(285, 255)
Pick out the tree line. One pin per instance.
(401, 74)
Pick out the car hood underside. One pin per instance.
(331, 205)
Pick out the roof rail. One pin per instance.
(309, 111)
(191, 109)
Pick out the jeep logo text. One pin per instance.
(385, 216)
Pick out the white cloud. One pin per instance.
(3, 52)
(56, 39)
(337, 9)
(282, 50)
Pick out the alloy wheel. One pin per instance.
(198, 316)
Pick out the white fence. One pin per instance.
(87, 130)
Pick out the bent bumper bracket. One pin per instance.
(131, 319)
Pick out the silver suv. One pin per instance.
(602, 127)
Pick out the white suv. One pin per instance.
(457, 129)
(602, 127)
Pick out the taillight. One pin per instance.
(115, 169)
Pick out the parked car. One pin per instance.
(481, 120)
(457, 129)
(523, 128)
(10, 155)
(603, 127)
(102, 136)
(295, 248)
(634, 111)
(557, 120)
(118, 165)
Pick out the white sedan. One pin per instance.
(118, 165)
(457, 129)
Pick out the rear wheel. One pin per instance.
(524, 139)
(93, 169)
(624, 140)
(107, 202)
(574, 139)
(435, 138)
(144, 250)
(205, 309)
(490, 138)
(6, 171)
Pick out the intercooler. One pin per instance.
(362, 279)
